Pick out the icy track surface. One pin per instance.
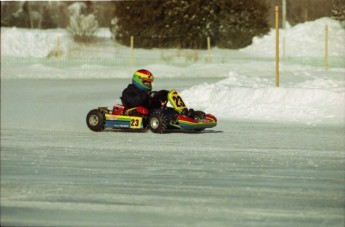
(55, 172)
(242, 174)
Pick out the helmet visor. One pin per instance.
(148, 84)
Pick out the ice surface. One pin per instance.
(276, 157)
(54, 171)
(284, 176)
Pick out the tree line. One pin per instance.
(173, 23)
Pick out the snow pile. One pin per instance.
(18, 42)
(32, 43)
(307, 39)
(254, 98)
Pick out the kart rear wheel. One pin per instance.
(158, 123)
(95, 120)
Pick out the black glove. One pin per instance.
(152, 94)
(163, 95)
(158, 98)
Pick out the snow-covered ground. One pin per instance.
(276, 157)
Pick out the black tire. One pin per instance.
(199, 115)
(158, 122)
(184, 112)
(95, 120)
(191, 113)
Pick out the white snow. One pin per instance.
(246, 86)
(31, 43)
(306, 39)
(261, 101)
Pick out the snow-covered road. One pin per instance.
(56, 172)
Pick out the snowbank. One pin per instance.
(307, 39)
(19, 42)
(239, 97)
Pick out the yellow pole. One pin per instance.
(284, 24)
(209, 49)
(58, 47)
(277, 45)
(283, 48)
(284, 14)
(326, 47)
(132, 47)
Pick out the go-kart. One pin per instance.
(157, 120)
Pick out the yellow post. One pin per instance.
(284, 25)
(58, 47)
(209, 49)
(284, 14)
(326, 47)
(283, 54)
(277, 45)
(132, 47)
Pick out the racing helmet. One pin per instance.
(143, 79)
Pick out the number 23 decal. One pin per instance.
(178, 101)
(135, 122)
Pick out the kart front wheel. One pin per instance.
(158, 123)
(95, 120)
(198, 116)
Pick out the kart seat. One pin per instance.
(140, 109)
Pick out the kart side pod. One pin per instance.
(192, 124)
(99, 119)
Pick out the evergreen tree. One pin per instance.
(338, 11)
(190, 22)
(240, 21)
(187, 23)
(140, 19)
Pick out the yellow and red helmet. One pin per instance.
(143, 79)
